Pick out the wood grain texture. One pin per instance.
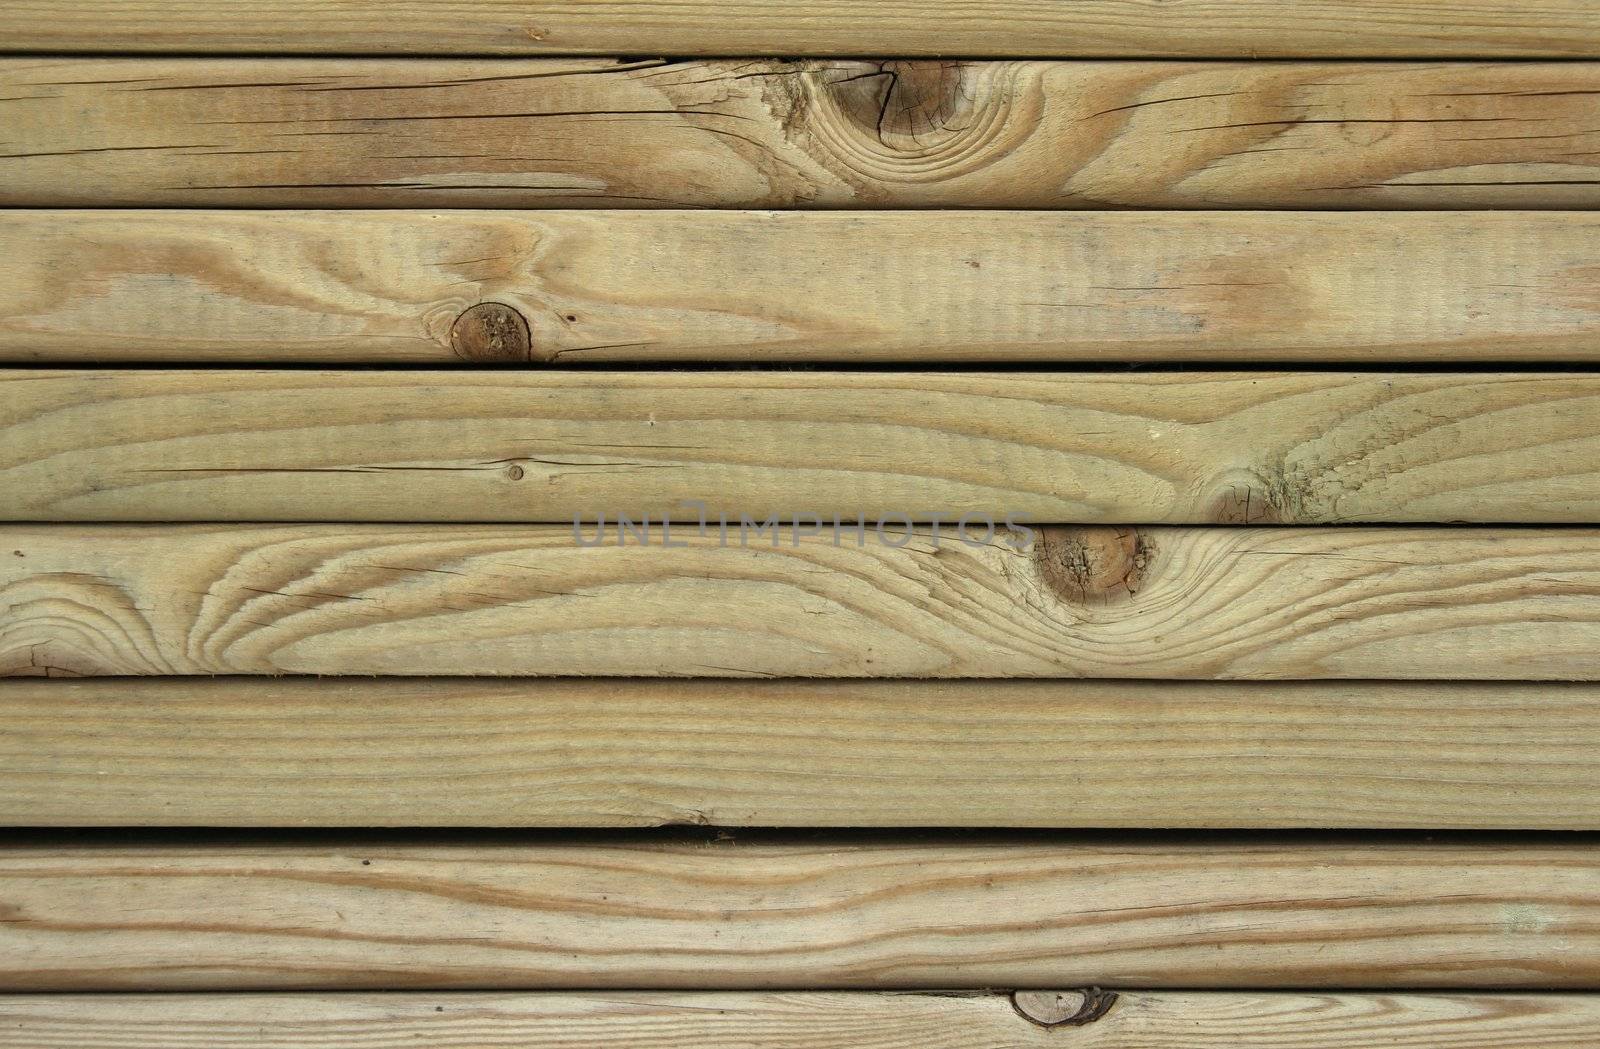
(195, 286)
(1268, 603)
(813, 133)
(1176, 447)
(794, 1020)
(1113, 28)
(767, 915)
(257, 752)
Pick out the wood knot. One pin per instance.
(1063, 1008)
(905, 101)
(1243, 503)
(1092, 565)
(492, 333)
(1272, 494)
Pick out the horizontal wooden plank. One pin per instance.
(572, 753)
(1119, 28)
(191, 286)
(802, 1020)
(1175, 447)
(1266, 603)
(766, 915)
(817, 133)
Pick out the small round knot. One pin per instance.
(1093, 564)
(1063, 1008)
(492, 333)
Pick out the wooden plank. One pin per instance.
(193, 286)
(1267, 603)
(753, 915)
(801, 1020)
(1176, 447)
(813, 133)
(1114, 28)
(604, 753)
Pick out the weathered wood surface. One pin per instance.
(1270, 603)
(1114, 28)
(754, 915)
(605, 753)
(1175, 447)
(812, 133)
(801, 1020)
(193, 286)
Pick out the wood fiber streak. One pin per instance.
(755, 287)
(571, 753)
(814, 133)
(793, 1020)
(1112, 28)
(748, 916)
(1235, 603)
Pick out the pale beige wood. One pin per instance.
(1121, 28)
(632, 753)
(1265, 603)
(1175, 447)
(797, 1020)
(193, 286)
(753, 914)
(814, 133)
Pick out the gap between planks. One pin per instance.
(1228, 603)
(1112, 28)
(803, 1020)
(1159, 448)
(771, 914)
(815, 133)
(570, 753)
(916, 288)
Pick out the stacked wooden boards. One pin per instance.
(613, 549)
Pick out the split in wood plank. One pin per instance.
(749, 915)
(262, 752)
(1109, 28)
(920, 288)
(805, 1020)
(817, 133)
(1269, 603)
(1173, 448)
